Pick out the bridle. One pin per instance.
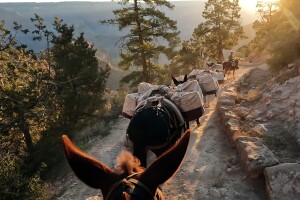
(136, 189)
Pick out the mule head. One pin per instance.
(97, 175)
(176, 82)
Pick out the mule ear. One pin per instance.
(175, 81)
(165, 166)
(87, 169)
(185, 78)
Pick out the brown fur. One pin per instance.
(97, 175)
(128, 164)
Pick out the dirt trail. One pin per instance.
(211, 168)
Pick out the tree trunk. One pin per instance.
(141, 40)
(27, 137)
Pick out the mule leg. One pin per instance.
(140, 152)
(187, 123)
(198, 122)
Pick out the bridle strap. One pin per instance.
(131, 181)
(142, 185)
(115, 185)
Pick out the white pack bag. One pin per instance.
(187, 101)
(208, 82)
(130, 103)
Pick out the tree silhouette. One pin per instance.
(150, 34)
(222, 28)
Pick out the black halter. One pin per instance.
(136, 189)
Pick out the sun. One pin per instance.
(268, 1)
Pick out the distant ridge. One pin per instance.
(86, 15)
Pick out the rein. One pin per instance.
(132, 184)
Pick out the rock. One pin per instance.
(223, 192)
(229, 115)
(266, 98)
(259, 119)
(229, 96)
(242, 112)
(292, 104)
(254, 155)
(283, 181)
(260, 129)
(270, 114)
(215, 193)
(256, 113)
(226, 102)
(297, 102)
(229, 170)
(223, 109)
(233, 122)
(249, 117)
(291, 112)
(203, 191)
(252, 94)
(93, 198)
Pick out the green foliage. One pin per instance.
(8, 38)
(14, 184)
(81, 81)
(221, 30)
(38, 102)
(151, 34)
(41, 32)
(189, 57)
(22, 95)
(278, 31)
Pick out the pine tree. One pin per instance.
(222, 28)
(188, 57)
(41, 32)
(151, 34)
(22, 90)
(80, 80)
(278, 31)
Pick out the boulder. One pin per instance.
(283, 181)
(242, 112)
(226, 102)
(254, 155)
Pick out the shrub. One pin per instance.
(14, 184)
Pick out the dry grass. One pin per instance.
(254, 95)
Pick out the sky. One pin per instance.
(248, 4)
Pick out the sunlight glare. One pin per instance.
(269, 1)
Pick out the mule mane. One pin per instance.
(128, 164)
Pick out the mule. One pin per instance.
(129, 180)
(229, 66)
(155, 127)
(177, 82)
